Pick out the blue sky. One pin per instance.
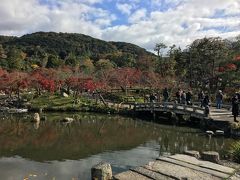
(142, 22)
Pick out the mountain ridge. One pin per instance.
(62, 44)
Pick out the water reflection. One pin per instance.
(52, 148)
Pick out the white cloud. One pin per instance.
(190, 20)
(18, 17)
(124, 8)
(138, 15)
(145, 26)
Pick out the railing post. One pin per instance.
(194, 109)
(174, 106)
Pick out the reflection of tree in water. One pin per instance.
(178, 140)
(91, 134)
(78, 139)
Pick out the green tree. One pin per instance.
(160, 65)
(158, 48)
(87, 66)
(2, 52)
(3, 56)
(147, 63)
(205, 55)
(53, 62)
(104, 64)
(15, 59)
(72, 60)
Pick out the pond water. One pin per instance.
(54, 150)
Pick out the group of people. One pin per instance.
(203, 99)
(184, 97)
(205, 102)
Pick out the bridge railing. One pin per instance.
(170, 106)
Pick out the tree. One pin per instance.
(2, 52)
(53, 62)
(72, 60)
(103, 65)
(87, 66)
(204, 56)
(160, 64)
(127, 77)
(146, 63)
(158, 48)
(15, 59)
(3, 56)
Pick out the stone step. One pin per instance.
(151, 174)
(130, 175)
(166, 166)
(196, 168)
(201, 163)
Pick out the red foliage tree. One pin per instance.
(126, 77)
(4, 78)
(220, 69)
(231, 67)
(42, 79)
(237, 58)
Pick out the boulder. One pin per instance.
(195, 154)
(102, 171)
(67, 120)
(65, 95)
(211, 156)
(36, 125)
(36, 117)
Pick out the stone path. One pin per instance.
(221, 115)
(180, 167)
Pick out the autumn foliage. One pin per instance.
(54, 80)
(237, 58)
(226, 68)
(230, 67)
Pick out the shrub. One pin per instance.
(235, 151)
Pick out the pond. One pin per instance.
(55, 150)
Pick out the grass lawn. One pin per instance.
(49, 102)
(56, 101)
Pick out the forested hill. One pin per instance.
(64, 44)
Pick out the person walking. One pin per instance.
(235, 107)
(183, 98)
(165, 95)
(178, 95)
(152, 98)
(189, 97)
(206, 104)
(201, 96)
(219, 99)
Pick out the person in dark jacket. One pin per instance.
(152, 98)
(206, 104)
(183, 98)
(165, 95)
(201, 96)
(235, 107)
(178, 95)
(189, 97)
